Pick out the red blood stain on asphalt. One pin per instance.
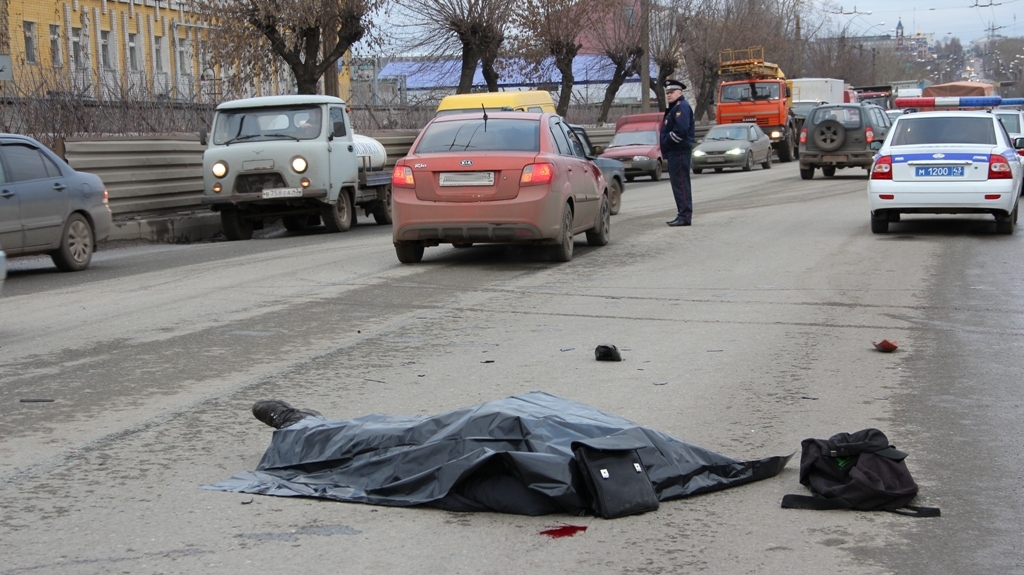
(563, 531)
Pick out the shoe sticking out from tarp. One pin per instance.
(278, 414)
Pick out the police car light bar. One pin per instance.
(1013, 102)
(951, 102)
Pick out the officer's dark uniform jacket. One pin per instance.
(677, 133)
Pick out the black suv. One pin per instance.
(840, 136)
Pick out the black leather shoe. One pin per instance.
(678, 222)
(278, 414)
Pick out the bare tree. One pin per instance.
(667, 39)
(553, 29)
(617, 32)
(473, 29)
(254, 37)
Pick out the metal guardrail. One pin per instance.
(152, 175)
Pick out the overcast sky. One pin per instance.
(936, 17)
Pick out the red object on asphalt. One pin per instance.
(564, 531)
(885, 345)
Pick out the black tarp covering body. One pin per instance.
(511, 455)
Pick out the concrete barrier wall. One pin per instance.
(155, 182)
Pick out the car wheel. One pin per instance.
(601, 232)
(338, 217)
(879, 223)
(409, 252)
(615, 196)
(698, 170)
(767, 165)
(750, 162)
(806, 173)
(382, 211)
(235, 226)
(76, 245)
(562, 252)
(785, 149)
(719, 170)
(656, 176)
(829, 135)
(295, 223)
(829, 171)
(1005, 223)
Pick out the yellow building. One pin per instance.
(114, 49)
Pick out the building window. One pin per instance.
(55, 52)
(76, 48)
(105, 50)
(158, 48)
(184, 65)
(133, 53)
(30, 42)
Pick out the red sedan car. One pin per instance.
(498, 177)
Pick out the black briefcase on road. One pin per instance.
(615, 476)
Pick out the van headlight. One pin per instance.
(220, 169)
(299, 164)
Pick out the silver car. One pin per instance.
(738, 145)
(46, 207)
(3, 269)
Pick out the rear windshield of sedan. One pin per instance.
(943, 130)
(492, 135)
(848, 117)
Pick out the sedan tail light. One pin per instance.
(803, 136)
(402, 177)
(882, 170)
(869, 134)
(999, 168)
(537, 174)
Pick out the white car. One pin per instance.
(1012, 119)
(956, 162)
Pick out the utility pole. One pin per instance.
(645, 65)
(799, 50)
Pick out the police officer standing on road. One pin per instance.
(677, 138)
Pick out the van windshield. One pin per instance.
(504, 134)
(641, 138)
(256, 124)
(470, 110)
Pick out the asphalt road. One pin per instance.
(759, 317)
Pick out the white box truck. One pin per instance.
(828, 90)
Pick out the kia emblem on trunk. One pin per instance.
(466, 163)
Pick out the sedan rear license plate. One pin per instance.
(282, 193)
(938, 171)
(466, 179)
(833, 158)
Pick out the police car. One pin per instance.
(946, 162)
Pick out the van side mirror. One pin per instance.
(202, 136)
(1018, 143)
(598, 150)
(338, 130)
(876, 145)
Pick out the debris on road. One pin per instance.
(564, 531)
(885, 345)
(607, 352)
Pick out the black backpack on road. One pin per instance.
(856, 471)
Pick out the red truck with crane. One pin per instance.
(756, 91)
